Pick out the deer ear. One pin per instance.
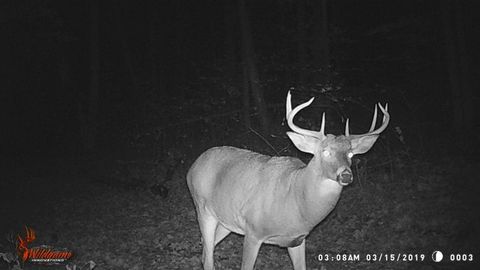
(363, 144)
(304, 143)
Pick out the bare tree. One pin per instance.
(301, 42)
(125, 50)
(230, 17)
(88, 115)
(321, 48)
(250, 71)
(453, 17)
(153, 45)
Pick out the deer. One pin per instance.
(274, 199)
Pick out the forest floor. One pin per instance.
(113, 218)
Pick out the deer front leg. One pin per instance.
(251, 245)
(297, 255)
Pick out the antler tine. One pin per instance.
(291, 114)
(347, 128)
(289, 104)
(372, 130)
(386, 109)
(322, 128)
(374, 120)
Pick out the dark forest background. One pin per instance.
(87, 76)
(113, 100)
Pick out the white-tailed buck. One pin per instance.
(274, 200)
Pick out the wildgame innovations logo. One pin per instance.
(43, 254)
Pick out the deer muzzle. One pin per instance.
(345, 177)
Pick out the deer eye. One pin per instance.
(350, 155)
(326, 153)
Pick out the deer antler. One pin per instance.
(386, 119)
(291, 114)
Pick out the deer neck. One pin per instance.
(316, 195)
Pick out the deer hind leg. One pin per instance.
(297, 255)
(208, 225)
(221, 233)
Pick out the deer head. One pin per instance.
(333, 154)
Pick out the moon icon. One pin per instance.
(437, 256)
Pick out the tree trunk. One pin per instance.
(127, 58)
(251, 68)
(301, 43)
(458, 69)
(153, 46)
(321, 47)
(90, 121)
(229, 18)
(246, 97)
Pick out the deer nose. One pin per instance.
(345, 177)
